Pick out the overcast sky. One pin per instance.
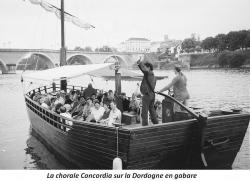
(25, 25)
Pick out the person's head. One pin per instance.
(149, 66)
(58, 95)
(81, 99)
(90, 85)
(89, 101)
(62, 109)
(110, 93)
(105, 94)
(177, 69)
(52, 100)
(97, 104)
(67, 97)
(57, 107)
(47, 101)
(158, 104)
(123, 95)
(93, 96)
(112, 105)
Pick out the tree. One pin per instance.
(77, 48)
(247, 41)
(236, 39)
(88, 49)
(209, 43)
(188, 44)
(221, 41)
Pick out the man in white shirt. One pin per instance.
(114, 115)
(96, 112)
(64, 112)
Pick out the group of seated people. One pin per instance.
(89, 105)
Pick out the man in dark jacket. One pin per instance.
(89, 91)
(147, 89)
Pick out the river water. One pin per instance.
(209, 89)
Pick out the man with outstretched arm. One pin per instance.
(147, 89)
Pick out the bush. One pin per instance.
(231, 59)
(237, 60)
(223, 59)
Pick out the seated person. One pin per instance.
(87, 108)
(37, 97)
(158, 109)
(60, 98)
(105, 114)
(125, 102)
(77, 110)
(45, 102)
(96, 112)
(64, 112)
(105, 99)
(93, 96)
(89, 91)
(99, 95)
(52, 102)
(114, 115)
(134, 105)
(67, 99)
(111, 95)
(57, 108)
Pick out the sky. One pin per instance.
(25, 25)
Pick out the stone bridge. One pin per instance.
(37, 59)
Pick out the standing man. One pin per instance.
(147, 90)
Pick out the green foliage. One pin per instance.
(209, 43)
(223, 59)
(106, 49)
(189, 45)
(231, 59)
(86, 49)
(232, 41)
(237, 60)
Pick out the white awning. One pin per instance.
(68, 72)
(72, 71)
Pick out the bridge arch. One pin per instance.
(114, 58)
(34, 61)
(79, 59)
(3, 66)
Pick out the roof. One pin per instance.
(140, 39)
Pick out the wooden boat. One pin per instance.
(180, 142)
(187, 141)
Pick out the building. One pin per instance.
(171, 46)
(135, 45)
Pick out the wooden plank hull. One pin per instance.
(165, 146)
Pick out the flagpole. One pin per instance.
(63, 49)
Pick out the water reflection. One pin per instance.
(38, 156)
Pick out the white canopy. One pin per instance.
(72, 71)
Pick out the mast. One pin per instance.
(63, 81)
(63, 49)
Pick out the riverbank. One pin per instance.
(226, 59)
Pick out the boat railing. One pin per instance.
(58, 121)
(54, 88)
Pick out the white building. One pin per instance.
(135, 45)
